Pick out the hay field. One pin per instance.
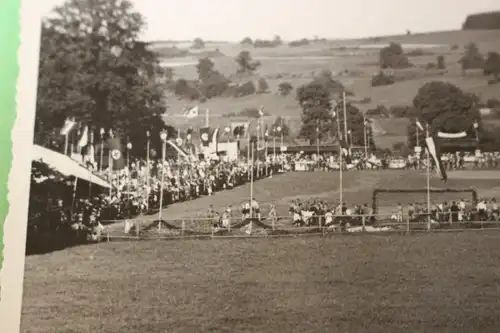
(446, 282)
(353, 62)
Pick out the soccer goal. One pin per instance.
(385, 201)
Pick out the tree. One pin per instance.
(169, 74)
(314, 99)
(393, 56)
(492, 64)
(355, 124)
(212, 82)
(382, 79)
(263, 86)
(285, 88)
(198, 44)
(246, 65)
(482, 21)
(277, 41)
(325, 78)
(441, 62)
(445, 107)
(93, 67)
(472, 59)
(246, 41)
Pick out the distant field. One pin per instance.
(443, 283)
(359, 57)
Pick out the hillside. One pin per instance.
(353, 62)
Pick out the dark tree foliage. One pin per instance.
(472, 59)
(393, 56)
(314, 99)
(300, 42)
(92, 67)
(403, 111)
(246, 64)
(285, 88)
(355, 123)
(246, 41)
(492, 64)
(441, 62)
(198, 44)
(382, 79)
(212, 82)
(334, 87)
(263, 86)
(246, 89)
(482, 21)
(446, 107)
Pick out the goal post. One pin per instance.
(385, 201)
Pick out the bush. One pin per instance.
(285, 88)
(250, 113)
(264, 43)
(417, 53)
(441, 62)
(430, 65)
(300, 42)
(263, 86)
(246, 41)
(402, 111)
(246, 89)
(379, 111)
(214, 87)
(454, 47)
(382, 79)
(482, 21)
(184, 89)
(493, 103)
(393, 56)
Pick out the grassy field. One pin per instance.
(426, 283)
(352, 61)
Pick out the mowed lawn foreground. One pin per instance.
(446, 282)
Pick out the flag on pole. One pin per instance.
(192, 113)
(344, 150)
(433, 150)
(84, 139)
(215, 141)
(115, 151)
(205, 136)
(181, 152)
(239, 128)
(69, 124)
(261, 111)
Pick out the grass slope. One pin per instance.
(428, 283)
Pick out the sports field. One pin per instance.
(358, 188)
(447, 282)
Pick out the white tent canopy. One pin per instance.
(66, 166)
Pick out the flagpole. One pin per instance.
(418, 145)
(341, 187)
(345, 113)
(365, 135)
(207, 118)
(163, 137)
(428, 175)
(248, 151)
(251, 185)
(147, 170)
(66, 139)
(101, 156)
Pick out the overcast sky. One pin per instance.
(231, 20)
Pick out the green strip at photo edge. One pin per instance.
(10, 40)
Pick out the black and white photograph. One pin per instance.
(265, 166)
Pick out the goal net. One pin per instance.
(386, 201)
